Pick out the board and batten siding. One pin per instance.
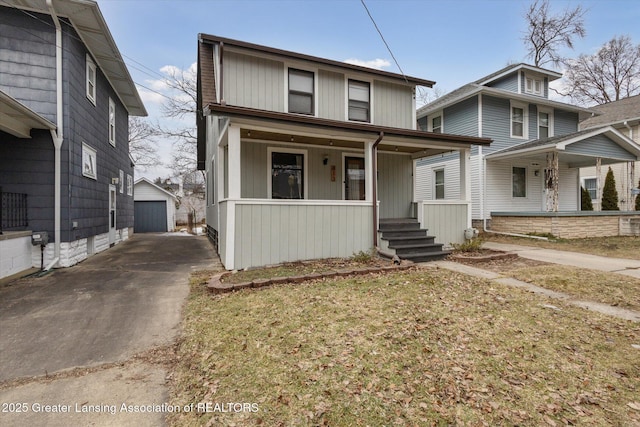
(392, 105)
(271, 233)
(446, 220)
(253, 82)
(28, 60)
(395, 185)
(331, 95)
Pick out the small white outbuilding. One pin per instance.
(155, 208)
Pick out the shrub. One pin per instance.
(609, 193)
(472, 245)
(585, 200)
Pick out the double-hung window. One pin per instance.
(519, 182)
(545, 123)
(590, 186)
(91, 80)
(301, 96)
(359, 105)
(436, 124)
(439, 183)
(518, 121)
(112, 122)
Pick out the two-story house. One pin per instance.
(624, 115)
(65, 99)
(307, 157)
(532, 166)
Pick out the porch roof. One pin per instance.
(577, 149)
(18, 120)
(344, 134)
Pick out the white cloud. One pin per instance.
(377, 63)
(150, 97)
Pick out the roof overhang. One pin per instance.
(288, 128)
(18, 120)
(539, 152)
(87, 20)
(552, 75)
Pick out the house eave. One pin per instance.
(18, 120)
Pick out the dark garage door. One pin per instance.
(150, 217)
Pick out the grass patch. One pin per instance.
(615, 246)
(607, 288)
(424, 347)
(300, 268)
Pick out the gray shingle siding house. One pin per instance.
(529, 133)
(94, 172)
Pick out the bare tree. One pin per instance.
(424, 97)
(608, 75)
(142, 145)
(547, 33)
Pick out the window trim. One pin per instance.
(121, 181)
(430, 124)
(526, 183)
(435, 183)
(91, 68)
(532, 91)
(548, 111)
(305, 169)
(369, 104)
(129, 185)
(112, 122)
(525, 120)
(89, 151)
(314, 97)
(583, 183)
(346, 154)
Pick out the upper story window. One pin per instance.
(359, 105)
(436, 124)
(545, 123)
(533, 85)
(301, 96)
(519, 121)
(91, 80)
(112, 122)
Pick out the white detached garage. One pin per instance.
(155, 208)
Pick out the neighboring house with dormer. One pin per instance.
(307, 157)
(65, 99)
(533, 164)
(623, 115)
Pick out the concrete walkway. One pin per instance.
(614, 265)
(627, 267)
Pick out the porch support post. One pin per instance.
(599, 182)
(368, 170)
(632, 184)
(234, 162)
(551, 181)
(465, 181)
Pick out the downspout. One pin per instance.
(222, 101)
(374, 182)
(57, 136)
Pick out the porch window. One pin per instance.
(91, 80)
(518, 121)
(359, 106)
(439, 184)
(112, 122)
(436, 124)
(590, 186)
(301, 91)
(519, 182)
(287, 175)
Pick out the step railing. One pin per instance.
(13, 211)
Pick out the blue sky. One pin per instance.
(452, 42)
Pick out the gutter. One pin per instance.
(374, 196)
(57, 136)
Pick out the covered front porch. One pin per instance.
(543, 194)
(289, 191)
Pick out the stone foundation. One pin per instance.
(568, 225)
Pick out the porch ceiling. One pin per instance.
(571, 159)
(337, 142)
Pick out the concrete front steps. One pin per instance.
(404, 237)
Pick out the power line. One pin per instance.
(385, 42)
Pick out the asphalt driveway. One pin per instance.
(107, 308)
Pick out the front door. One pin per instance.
(354, 188)
(112, 215)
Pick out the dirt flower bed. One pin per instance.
(420, 347)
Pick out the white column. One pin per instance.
(234, 162)
(599, 182)
(368, 171)
(465, 174)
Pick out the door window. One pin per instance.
(354, 188)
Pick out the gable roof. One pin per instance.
(512, 68)
(87, 20)
(560, 143)
(616, 112)
(144, 180)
